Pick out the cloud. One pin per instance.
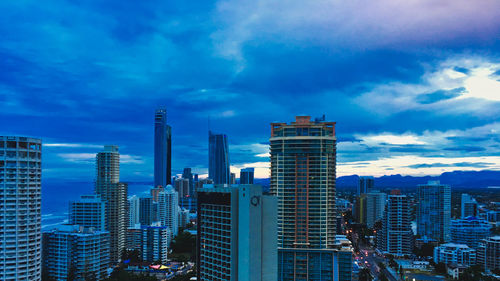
(90, 158)
(441, 91)
(391, 139)
(418, 165)
(72, 145)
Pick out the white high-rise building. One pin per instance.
(20, 209)
(168, 209)
(114, 193)
(134, 207)
(396, 236)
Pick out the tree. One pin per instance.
(440, 268)
(383, 277)
(133, 255)
(121, 275)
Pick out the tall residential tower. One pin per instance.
(20, 209)
(114, 193)
(303, 159)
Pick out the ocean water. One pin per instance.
(57, 195)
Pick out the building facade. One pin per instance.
(303, 159)
(396, 236)
(236, 235)
(469, 231)
(434, 211)
(114, 193)
(451, 253)
(155, 242)
(365, 185)
(77, 252)
(20, 209)
(375, 205)
(162, 150)
(469, 206)
(89, 211)
(246, 176)
(168, 209)
(488, 253)
(133, 210)
(146, 211)
(218, 158)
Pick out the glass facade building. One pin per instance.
(20, 209)
(365, 185)
(162, 150)
(434, 211)
(246, 176)
(218, 158)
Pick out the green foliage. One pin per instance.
(427, 250)
(121, 275)
(182, 244)
(184, 277)
(133, 255)
(440, 268)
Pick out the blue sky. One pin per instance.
(413, 85)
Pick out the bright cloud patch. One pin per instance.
(392, 139)
(444, 90)
(417, 165)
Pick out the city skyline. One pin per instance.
(411, 95)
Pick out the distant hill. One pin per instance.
(461, 179)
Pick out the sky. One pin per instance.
(414, 86)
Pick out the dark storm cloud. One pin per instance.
(92, 72)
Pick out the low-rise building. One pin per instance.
(74, 250)
(451, 253)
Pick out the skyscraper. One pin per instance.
(75, 250)
(303, 159)
(375, 205)
(89, 211)
(114, 193)
(218, 158)
(236, 234)
(468, 206)
(365, 185)
(246, 176)
(434, 211)
(182, 186)
(396, 236)
(20, 209)
(168, 209)
(163, 149)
